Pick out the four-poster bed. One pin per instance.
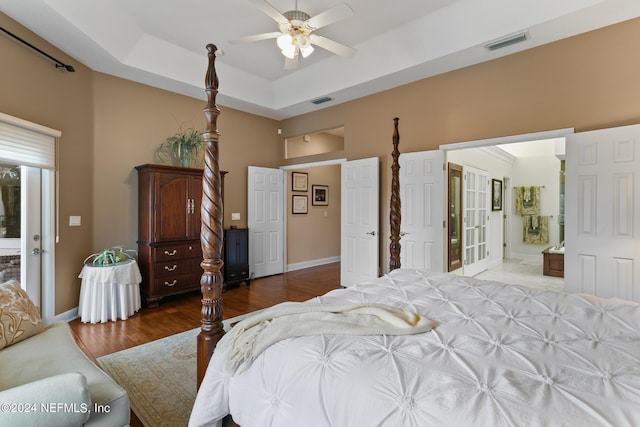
(497, 354)
(211, 234)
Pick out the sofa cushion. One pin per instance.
(62, 400)
(54, 351)
(19, 317)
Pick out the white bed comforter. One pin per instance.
(500, 356)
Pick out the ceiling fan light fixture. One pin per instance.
(285, 41)
(306, 50)
(289, 52)
(295, 36)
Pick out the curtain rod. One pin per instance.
(59, 64)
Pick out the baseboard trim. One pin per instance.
(67, 316)
(312, 263)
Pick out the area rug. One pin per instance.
(160, 377)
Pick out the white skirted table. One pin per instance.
(109, 292)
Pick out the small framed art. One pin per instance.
(299, 181)
(496, 195)
(299, 205)
(320, 195)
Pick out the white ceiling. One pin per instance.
(162, 42)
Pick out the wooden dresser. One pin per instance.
(169, 250)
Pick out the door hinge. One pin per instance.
(444, 224)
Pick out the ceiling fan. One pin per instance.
(296, 35)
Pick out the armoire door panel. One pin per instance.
(172, 208)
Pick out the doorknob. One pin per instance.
(373, 233)
(402, 233)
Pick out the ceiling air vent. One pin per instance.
(321, 100)
(508, 41)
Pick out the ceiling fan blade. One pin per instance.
(256, 37)
(270, 11)
(290, 64)
(330, 16)
(332, 46)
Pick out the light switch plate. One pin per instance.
(235, 216)
(75, 221)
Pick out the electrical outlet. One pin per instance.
(235, 216)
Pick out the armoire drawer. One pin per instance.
(177, 267)
(179, 251)
(175, 284)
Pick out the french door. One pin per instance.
(20, 228)
(476, 220)
(30, 148)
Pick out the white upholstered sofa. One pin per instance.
(45, 379)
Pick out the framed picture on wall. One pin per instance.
(320, 195)
(299, 205)
(299, 181)
(496, 195)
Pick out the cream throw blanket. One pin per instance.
(252, 336)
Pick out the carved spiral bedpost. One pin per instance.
(211, 230)
(394, 212)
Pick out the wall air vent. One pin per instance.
(321, 100)
(507, 41)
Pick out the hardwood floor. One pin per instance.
(181, 313)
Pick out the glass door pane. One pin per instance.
(10, 222)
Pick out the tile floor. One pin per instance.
(523, 271)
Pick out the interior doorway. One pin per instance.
(505, 229)
(317, 230)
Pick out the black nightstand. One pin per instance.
(236, 256)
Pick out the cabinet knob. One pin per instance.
(172, 253)
(175, 281)
(166, 267)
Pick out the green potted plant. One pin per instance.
(110, 256)
(183, 145)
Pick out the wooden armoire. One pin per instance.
(169, 250)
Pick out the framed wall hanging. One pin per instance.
(299, 181)
(496, 195)
(320, 195)
(299, 205)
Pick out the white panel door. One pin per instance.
(422, 210)
(265, 221)
(602, 221)
(359, 244)
(476, 220)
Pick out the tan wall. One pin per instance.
(311, 144)
(34, 90)
(109, 125)
(586, 82)
(315, 235)
(132, 119)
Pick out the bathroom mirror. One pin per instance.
(326, 141)
(454, 217)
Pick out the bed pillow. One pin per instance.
(19, 317)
